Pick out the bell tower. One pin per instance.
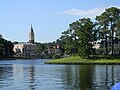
(31, 35)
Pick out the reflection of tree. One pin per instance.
(85, 77)
(69, 75)
(78, 77)
(6, 73)
(32, 78)
(113, 75)
(106, 74)
(110, 76)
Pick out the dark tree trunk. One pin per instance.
(112, 39)
(106, 45)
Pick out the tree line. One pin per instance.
(81, 35)
(6, 48)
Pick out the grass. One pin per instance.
(78, 60)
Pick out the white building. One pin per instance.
(26, 49)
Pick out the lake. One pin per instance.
(35, 75)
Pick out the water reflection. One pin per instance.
(24, 75)
(6, 73)
(91, 77)
(78, 77)
(33, 76)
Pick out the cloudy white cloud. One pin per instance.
(91, 13)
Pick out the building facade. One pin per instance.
(54, 50)
(25, 49)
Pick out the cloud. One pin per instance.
(91, 13)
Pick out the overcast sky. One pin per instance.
(49, 18)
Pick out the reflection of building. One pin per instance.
(18, 72)
(26, 49)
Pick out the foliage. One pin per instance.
(78, 38)
(84, 32)
(6, 48)
(109, 22)
(79, 60)
(68, 42)
(82, 35)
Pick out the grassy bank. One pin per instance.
(78, 60)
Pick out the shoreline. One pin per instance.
(15, 58)
(79, 61)
(84, 63)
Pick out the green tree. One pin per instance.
(41, 47)
(102, 26)
(79, 38)
(109, 21)
(66, 42)
(6, 48)
(69, 41)
(0, 36)
(84, 32)
(118, 28)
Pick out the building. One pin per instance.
(31, 36)
(105, 47)
(54, 50)
(26, 49)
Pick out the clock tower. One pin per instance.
(31, 35)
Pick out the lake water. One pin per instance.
(35, 75)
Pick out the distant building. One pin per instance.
(96, 45)
(26, 49)
(101, 47)
(54, 50)
(31, 36)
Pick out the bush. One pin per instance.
(56, 57)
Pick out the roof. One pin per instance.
(31, 29)
(25, 44)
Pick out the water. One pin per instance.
(35, 75)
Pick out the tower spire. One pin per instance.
(31, 35)
(31, 28)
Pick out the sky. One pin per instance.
(49, 18)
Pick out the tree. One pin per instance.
(102, 26)
(66, 42)
(84, 32)
(69, 40)
(118, 28)
(6, 48)
(79, 38)
(0, 36)
(109, 21)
